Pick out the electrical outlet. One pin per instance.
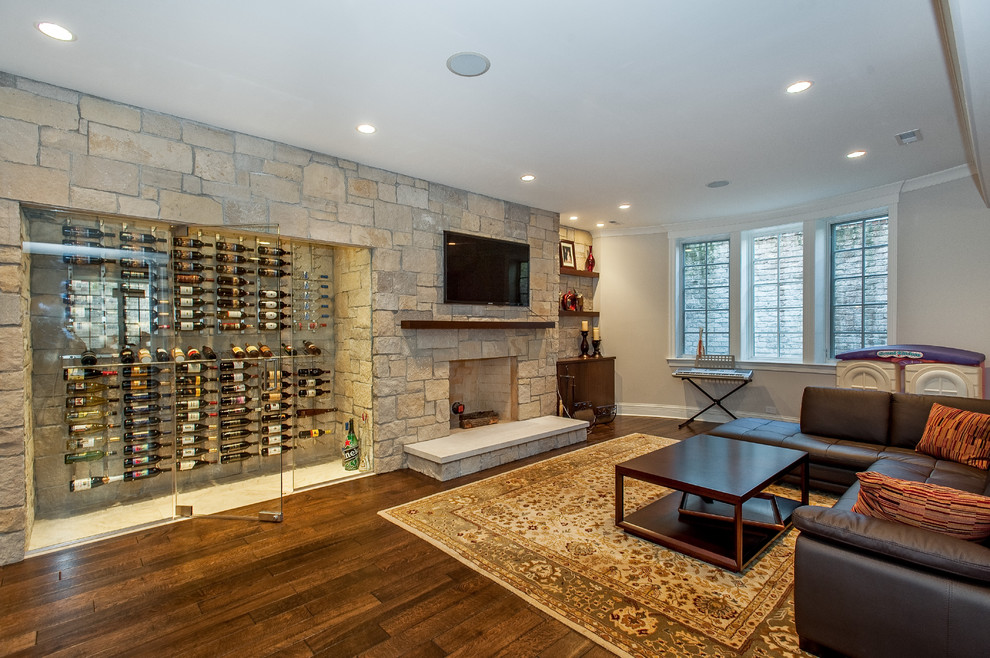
(771, 410)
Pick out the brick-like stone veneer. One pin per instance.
(67, 149)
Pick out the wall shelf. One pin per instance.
(582, 314)
(575, 272)
(475, 324)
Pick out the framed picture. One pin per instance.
(567, 257)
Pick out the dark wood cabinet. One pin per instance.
(583, 381)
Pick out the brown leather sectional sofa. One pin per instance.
(864, 586)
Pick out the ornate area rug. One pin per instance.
(547, 532)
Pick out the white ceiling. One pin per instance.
(642, 101)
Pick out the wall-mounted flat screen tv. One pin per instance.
(479, 270)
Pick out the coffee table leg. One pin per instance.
(739, 536)
(619, 505)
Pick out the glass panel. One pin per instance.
(704, 292)
(859, 283)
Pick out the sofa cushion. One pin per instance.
(895, 540)
(958, 435)
(846, 414)
(756, 430)
(909, 414)
(928, 506)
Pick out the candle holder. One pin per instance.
(597, 344)
(584, 345)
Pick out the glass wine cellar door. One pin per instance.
(189, 370)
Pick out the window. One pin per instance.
(705, 297)
(777, 295)
(858, 284)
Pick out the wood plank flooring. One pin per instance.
(333, 579)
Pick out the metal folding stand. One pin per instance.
(716, 402)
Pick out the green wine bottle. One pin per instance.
(88, 456)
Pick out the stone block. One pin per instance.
(256, 146)
(292, 154)
(292, 220)
(12, 487)
(54, 159)
(139, 148)
(412, 196)
(44, 89)
(189, 208)
(486, 206)
(97, 110)
(160, 124)
(19, 141)
(214, 165)
(283, 170)
(161, 179)
(19, 104)
(211, 138)
(362, 187)
(350, 213)
(274, 188)
(28, 183)
(393, 217)
(239, 212)
(103, 174)
(135, 207)
(12, 519)
(387, 193)
(12, 547)
(324, 181)
(192, 184)
(410, 405)
(87, 199)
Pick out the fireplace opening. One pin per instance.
(484, 385)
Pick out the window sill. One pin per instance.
(765, 366)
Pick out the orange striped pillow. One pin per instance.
(929, 506)
(957, 435)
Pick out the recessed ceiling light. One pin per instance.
(366, 128)
(468, 65)
(625, 206)
(573, 218)
(55, 31)
(527, 178)
(798, 87)
(855, 154)
(600, 224)
(717, 183)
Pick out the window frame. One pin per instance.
(681, 336)
(748, 334)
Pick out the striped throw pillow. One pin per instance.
(929, 506)
(957, 435)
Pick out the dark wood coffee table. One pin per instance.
(722, 515)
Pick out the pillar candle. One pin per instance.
(595, 335)
(584, 325)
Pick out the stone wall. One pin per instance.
(67, 149)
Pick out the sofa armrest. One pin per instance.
(896, 541)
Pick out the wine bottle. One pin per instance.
(192, 279)
(236, 411)
(236, 270)
(277, 406)
(252, 351)
(188, 428)
(304, 413)
(232, 246)
(141, 384)
(228, 291)
(84, 484)
(192, 404)
(193, 451)
(272, 315)
(272, 262)
(273, 294)
(194, 392)
(144, 435)
(191, 325)
(311, 392)
(312, 434)
(235, 457)
(231, 258)
(139, 248)
(273, 326)
(87, 386)
(235, 434)
(274, 440)
(149, 472)
(190, 464)
(87, 414)
(142, 421)
(193, 380)
(150, 396)
(188, 254)
(273, 418)
(190, 314)
(161, 355)
(193, 354)
(135, 275)
(85, 260)
(231, 315)
(192, 367)
(88, 401)
(136, 263)
(128, 236)
(138, 410)
(189, 242)
(234, 423)
(233, 326)
(275, 396)
(160, 325)
(272, 251)
(142, 371)
(144, 355)
(192, 416)
(187, 266)
(310, 383)
(88, 442)
(88, 456)
(350, 449)
(235, 281)
(83, 232)
(239, 376)
(311, 348)
(268, 271)
(81, 243)
(127, 354)
(208, 353)
(79, 429)
(143, 460)
(275, 428)
(312, 372)
(131, 290)
(191, 439)
(273, 304)
(274, 450)
(289, 349)
(237, 445)
(141, 448)
(225, 302)
(266, 351)
(178, 355)
(80, 374)
(88, 358)
(186, 291)
(231, 389)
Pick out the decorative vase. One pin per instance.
(589, 263)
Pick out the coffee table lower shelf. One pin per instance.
(705, 529)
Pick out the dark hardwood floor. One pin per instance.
(333, 579)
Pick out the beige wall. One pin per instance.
(943, 240)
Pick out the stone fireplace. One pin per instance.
(485, 385)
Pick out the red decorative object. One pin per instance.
(589, 263)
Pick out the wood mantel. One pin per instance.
(475, 324)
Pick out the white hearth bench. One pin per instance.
(469, 451)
